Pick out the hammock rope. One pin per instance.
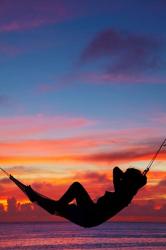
(23, 187)
(154, 157)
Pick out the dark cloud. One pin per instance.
(126, 155)
(125, 52)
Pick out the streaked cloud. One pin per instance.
(41, 139)
(13, 129)
(29, 15)
(100, 78)
(112, 157)
(23, 126)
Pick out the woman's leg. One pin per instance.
(80, 214)
(46, 203)
(78, 192)
(75, 191)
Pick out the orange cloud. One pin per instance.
(35, 136)
(97, 158)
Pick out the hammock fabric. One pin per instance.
(90, 214)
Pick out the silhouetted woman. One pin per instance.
(85, 212)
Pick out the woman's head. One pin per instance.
(133, 179)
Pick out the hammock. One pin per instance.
(26, 189)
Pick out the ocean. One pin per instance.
(64, 235)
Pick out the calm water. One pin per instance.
(68, 236)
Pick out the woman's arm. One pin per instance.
(117, 177)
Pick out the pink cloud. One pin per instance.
(99, 79)
(42, 137)
(115, 78)
(23, 15)
(26, 15)
(18, 26)
(53, 152)
(15, 131)
(50, 139)
(33, 14)
(22, 126)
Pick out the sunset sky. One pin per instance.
(83, 89)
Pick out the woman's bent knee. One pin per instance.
(77, 184)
